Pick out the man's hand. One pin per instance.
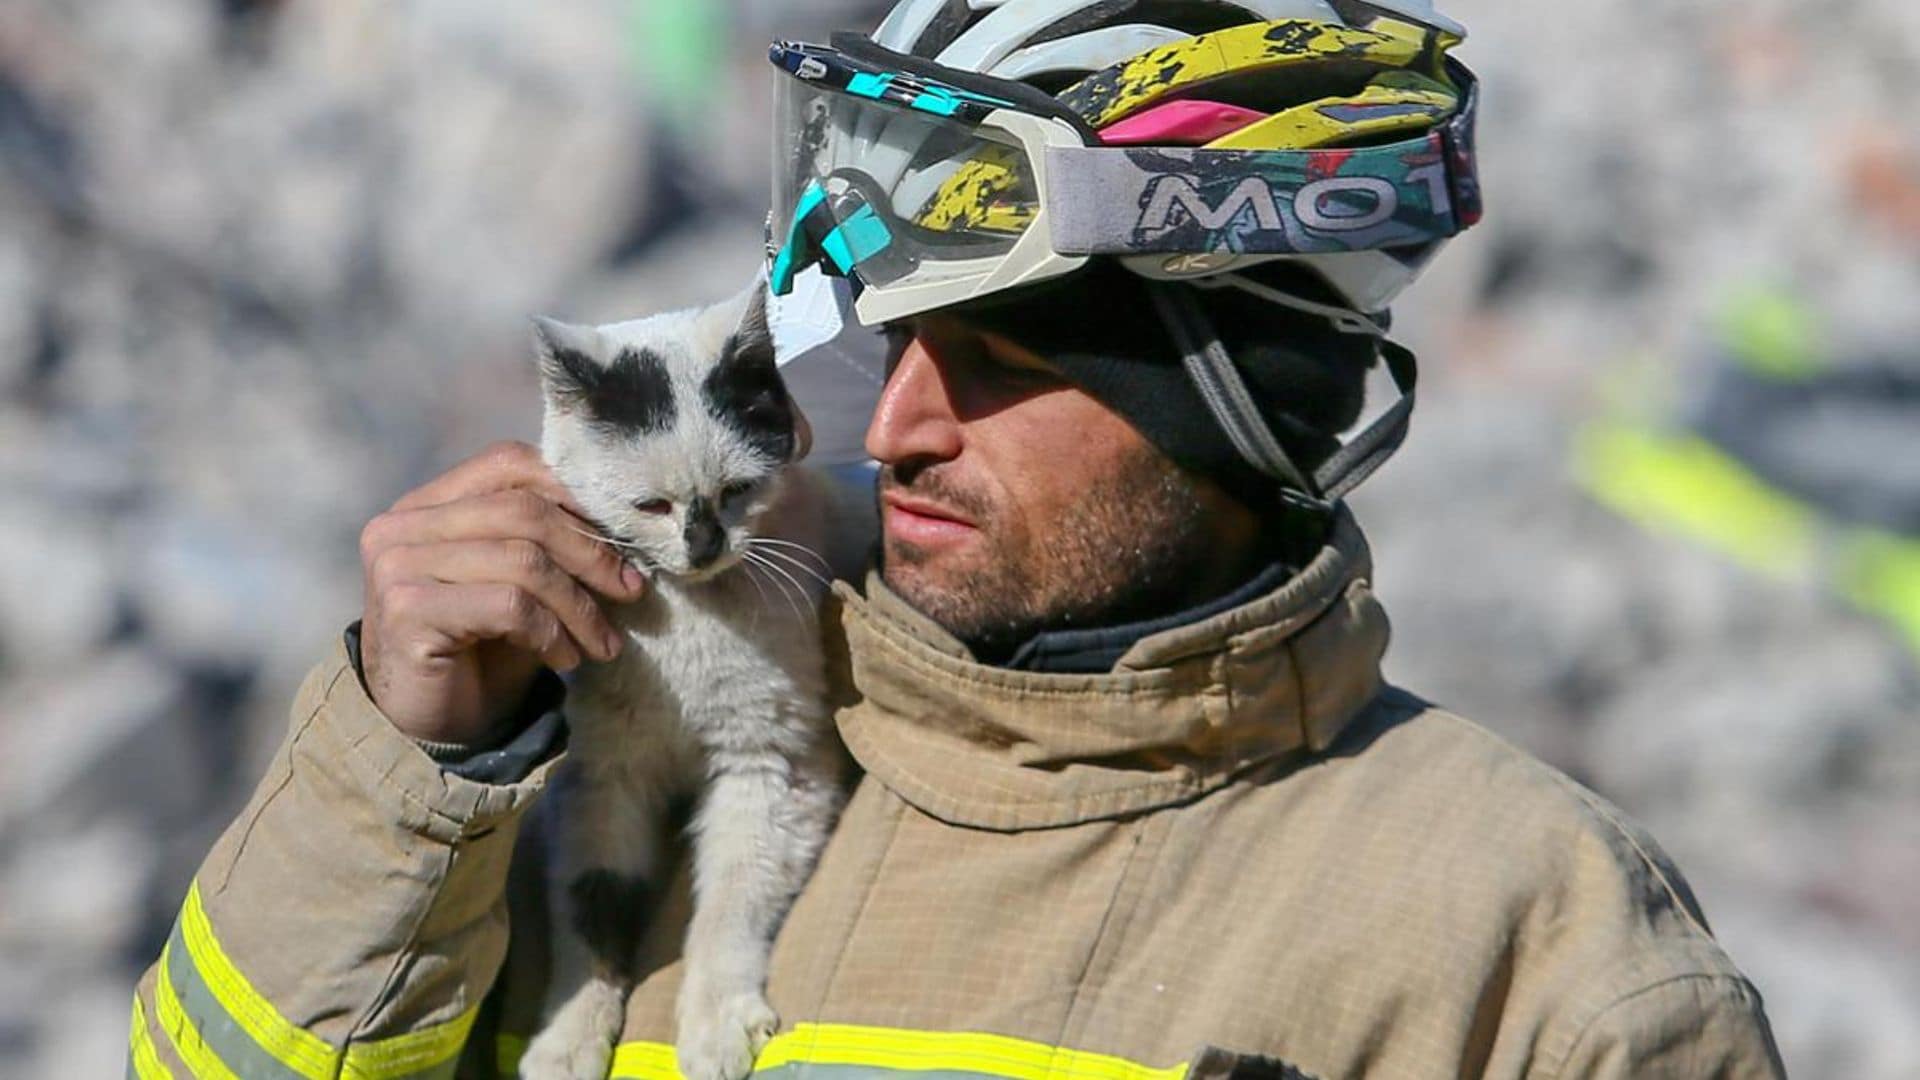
(475, 580)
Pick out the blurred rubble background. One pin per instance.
(265, 265)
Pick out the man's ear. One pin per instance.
(572, 359)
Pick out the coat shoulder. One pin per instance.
(1472, 853)
(1506, 815)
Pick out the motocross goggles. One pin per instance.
(928, 186)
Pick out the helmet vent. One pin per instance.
(1187, 16)
(946, 27)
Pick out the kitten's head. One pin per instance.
(670, 430)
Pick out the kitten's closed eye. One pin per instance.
(653, 506)
(737, 491)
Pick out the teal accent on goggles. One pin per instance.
(818, 236)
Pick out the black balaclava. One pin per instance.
(1100, 329)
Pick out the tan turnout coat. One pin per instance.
(1239, 855)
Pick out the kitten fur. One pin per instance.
(676, 435)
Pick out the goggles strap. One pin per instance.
(1221, 387)
(1233, 407)
(1363, 454)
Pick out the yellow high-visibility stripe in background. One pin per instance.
(1684, 484)
(1880, 572)
(1681, 483)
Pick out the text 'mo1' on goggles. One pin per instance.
(929, 186)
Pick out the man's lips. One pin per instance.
(923, 523)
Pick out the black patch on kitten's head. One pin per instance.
(745, 392)
(633, 394)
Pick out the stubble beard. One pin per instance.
(1130, 549)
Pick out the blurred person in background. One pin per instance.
(1137, 802)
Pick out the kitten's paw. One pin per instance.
(577, 1043)
(550, 1060)
(721, 1035)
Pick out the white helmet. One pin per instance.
(975, 146)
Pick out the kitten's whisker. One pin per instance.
(761, 561)
(753, 561)
(800, 566)
(791, 588)
(776, 541)
(748, 567)
(801, 589)
(599, 539)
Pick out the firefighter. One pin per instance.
(1136, 803)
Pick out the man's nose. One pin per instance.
(915, 416)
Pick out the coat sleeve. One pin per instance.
(349, 922)
(1691, 1027)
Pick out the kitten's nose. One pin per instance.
(703, 534)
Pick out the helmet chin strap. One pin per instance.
(1233, 408)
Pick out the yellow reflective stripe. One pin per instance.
(298, 1049)
(416, 1051)
(646, 1061)
(188, 1046)
(1683, 483)
(920, 1051)
(146, 1060)
(906, 1050)
(507, 1052)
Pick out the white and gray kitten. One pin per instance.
(677, 435)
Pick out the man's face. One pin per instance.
(1012, 501)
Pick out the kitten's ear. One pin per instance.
(571, 358)
(752, 340)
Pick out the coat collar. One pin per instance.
(1183, 712)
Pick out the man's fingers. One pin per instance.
(503, 466)
(448, 619)
(520, 563)
(511, 515)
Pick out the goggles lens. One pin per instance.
(885, 176)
